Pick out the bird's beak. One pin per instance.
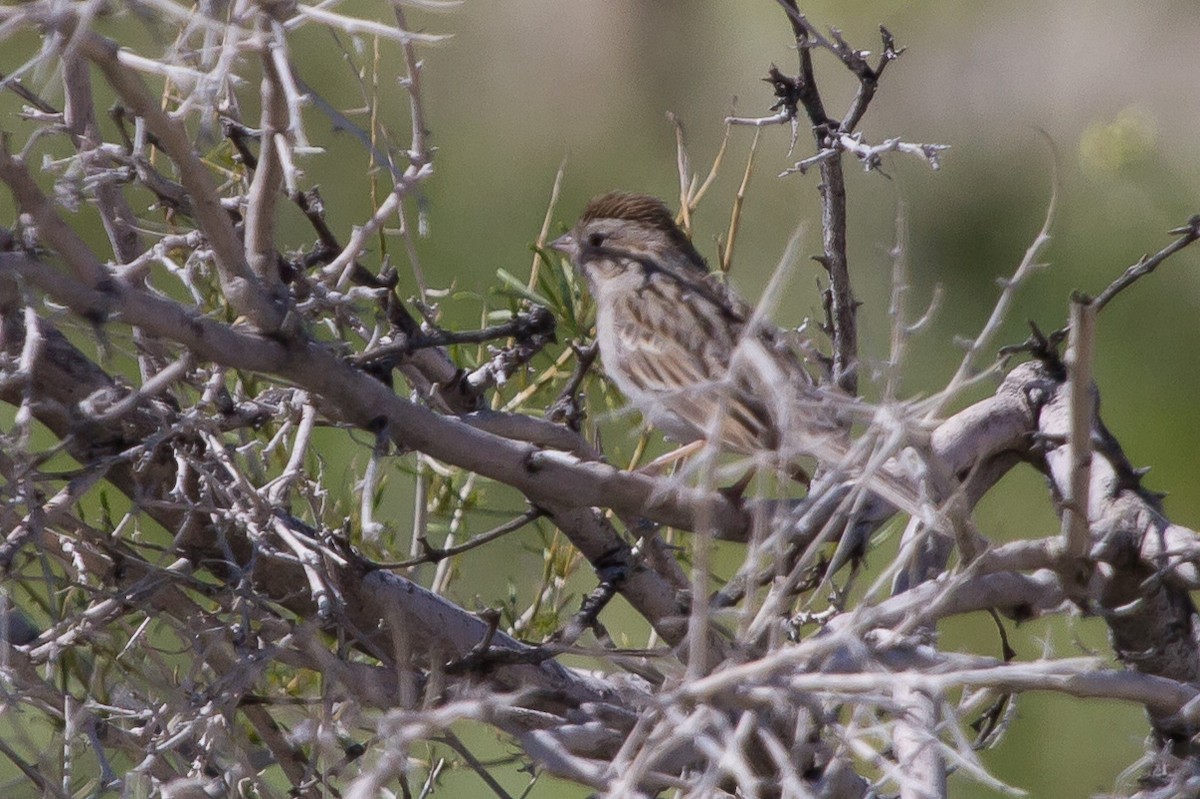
(566, 244)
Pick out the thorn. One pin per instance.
(1191, 228)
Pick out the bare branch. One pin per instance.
(1187, 234)
(241, 287)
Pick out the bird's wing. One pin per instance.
(680, 361)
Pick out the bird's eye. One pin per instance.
(596, 239)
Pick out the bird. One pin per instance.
(682, 347)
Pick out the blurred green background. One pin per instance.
(524, 84)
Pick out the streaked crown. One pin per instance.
(630, 207)
(645, 210)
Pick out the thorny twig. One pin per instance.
(568, 408)
(432, 554)
(832, 138)
(1187, 234)
(528, 326)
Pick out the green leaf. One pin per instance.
(564, 287)
(518, 287)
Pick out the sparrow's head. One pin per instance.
(619, 231)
